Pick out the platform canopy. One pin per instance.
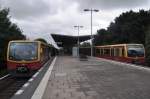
(48, 38)
(59, 40)
(68, 40)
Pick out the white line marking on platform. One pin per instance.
(35, 75)
(19, 92)
(41, 88)
(26, 85)
(41, 68)
(4, 76)
(140, 67)
(31, 79)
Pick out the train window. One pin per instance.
(123, 52)
(107, 51)
(135, 50)
(41, 50)
(117, 51)
(97, 51)
(112, 51)
(23, 51)
(120, 52)
(101, 51)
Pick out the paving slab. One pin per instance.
(96, 79)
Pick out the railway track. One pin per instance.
(9, 85)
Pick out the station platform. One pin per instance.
(70, 78)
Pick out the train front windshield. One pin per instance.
(26, 51)
(135, 50)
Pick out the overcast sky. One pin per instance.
(59, 16)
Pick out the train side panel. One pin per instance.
(118, 52)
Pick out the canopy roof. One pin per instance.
(59, 40)
(67, 40)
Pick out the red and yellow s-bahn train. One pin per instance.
(130, 53)
(25, 57)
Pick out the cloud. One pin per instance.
(59, 16)
(24, 9)
(110, 4)
(61, 22)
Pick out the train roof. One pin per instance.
(24, 41)
(46, 36)
(30, 41)
(118, 45)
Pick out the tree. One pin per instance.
(103, 37)
(8, 31)
(130, 27)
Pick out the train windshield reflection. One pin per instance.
(23, 51)
(135, 51)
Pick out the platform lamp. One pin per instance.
(91, 10)
(78, 42)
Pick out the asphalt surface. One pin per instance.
(33, 82)
(97, 79)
